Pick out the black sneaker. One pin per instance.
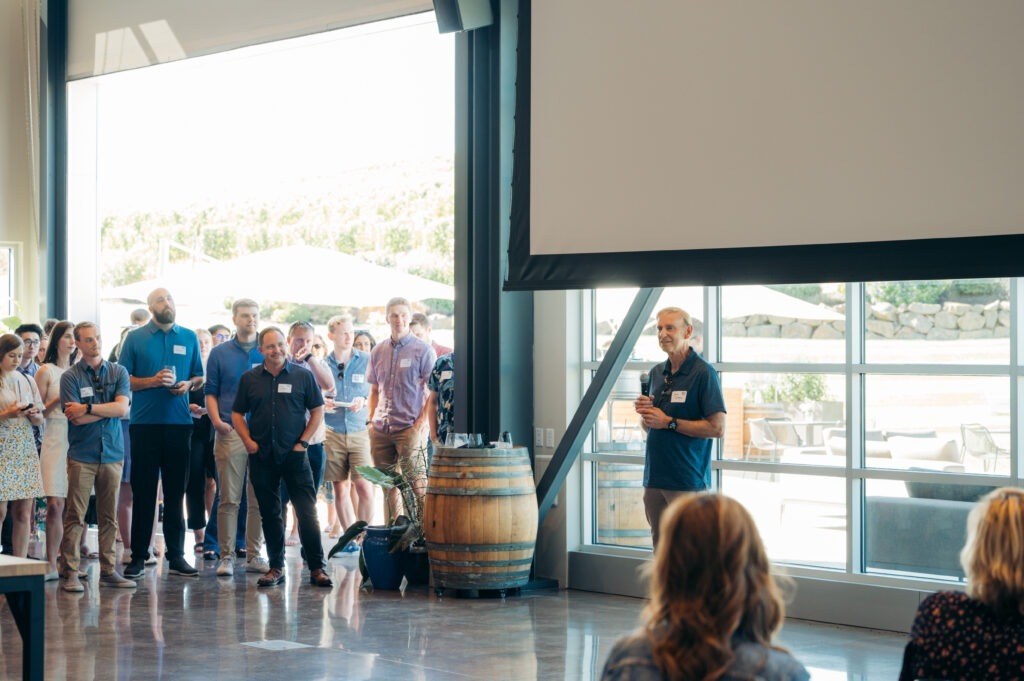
(135, 570)
(180, 567)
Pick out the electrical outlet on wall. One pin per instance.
(538, 437)
(549, 438)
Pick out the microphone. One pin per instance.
(645, 384)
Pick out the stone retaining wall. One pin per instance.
(916, 321)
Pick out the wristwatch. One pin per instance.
(305, 445)
(673, 424)
(88, 407)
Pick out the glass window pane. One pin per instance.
(6, 280)
(618, 425)
(621, 520)
(787, 418)
(611, 305)
(917, 528)
(939, 321)
(799, 323)
(802, 518)
(938, 423)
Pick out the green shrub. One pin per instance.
(906, 292)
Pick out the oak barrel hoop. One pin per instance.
(480, 518)
(621, 519)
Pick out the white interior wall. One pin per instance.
(15, 170)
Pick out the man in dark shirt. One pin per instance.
(269, 414)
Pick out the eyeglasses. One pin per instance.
(221, 336)
(31, 341)
(341, 370)
(667, 388)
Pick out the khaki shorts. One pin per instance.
(345, 451)
(395, 447)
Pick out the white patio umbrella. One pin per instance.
(297, 274)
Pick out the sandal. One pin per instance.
(198, 548)
(291, 541)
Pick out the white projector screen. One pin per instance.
(699, 126)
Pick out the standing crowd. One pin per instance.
(225, 426)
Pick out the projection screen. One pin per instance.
(795, 140)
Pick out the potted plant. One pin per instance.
(398, 548)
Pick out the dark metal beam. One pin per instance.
(53, 221)
(604, 380)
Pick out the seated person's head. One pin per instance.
(993, 557)
(710, 581)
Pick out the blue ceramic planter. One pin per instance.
(385, 568)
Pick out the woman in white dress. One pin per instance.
(20, 409)
(53, 456)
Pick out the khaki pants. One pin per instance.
(345, 451)
(82, 477)
(232, 459)
(396, 446)
(655, 503)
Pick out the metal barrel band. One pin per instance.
(481, 563)
(461, 580)
(442, 462)
(477, 475)
(515, 546)
(481, 491)
(511, 454)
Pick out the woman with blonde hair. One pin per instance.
(978, 634)
(714, 605)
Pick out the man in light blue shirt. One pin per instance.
(347, 442)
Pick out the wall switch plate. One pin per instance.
(549, 438)
(538, 437)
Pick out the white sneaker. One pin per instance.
(112, 579)
(257, 564)
(225, 567)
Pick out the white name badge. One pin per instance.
(404, 363)
(284, 387)
(179, 349)
(446, 375)
(678, 395)
(359, 378)
(86, 392)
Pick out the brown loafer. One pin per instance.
(319, 578)
(272, 578)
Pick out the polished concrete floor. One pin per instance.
(226, 628)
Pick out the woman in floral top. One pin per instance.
(979, 634)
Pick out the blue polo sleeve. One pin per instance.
(213, 370)
(69, 390)
(712, 400)
(121, 384)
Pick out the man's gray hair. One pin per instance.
(678, 311)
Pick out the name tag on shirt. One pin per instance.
(179, 349)
(359, 378)
(284, 387)
(678, 396)
(446, 375)
(404, 363)
(86, 392)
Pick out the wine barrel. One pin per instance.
(621, 519)
(480, 518)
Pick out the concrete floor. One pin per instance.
(225, 628)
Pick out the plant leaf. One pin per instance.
(351, 533)
(377, 476)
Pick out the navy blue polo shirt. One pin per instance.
(676, 461)
(276, 406)
(224, 369)
(101, 441)
(144, 353)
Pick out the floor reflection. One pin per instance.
(185, 628)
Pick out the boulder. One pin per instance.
(1004, 305)
(994, 305)
(1004, 318)
(826, 332)
(780, 321)
(939, 333)
(945, 320)
(917, 322)
(756, 320)
(1001, 332)
(972, 321)
(956, 308)
(883, 329)
(924, 308)
(796, 330)
(840, 326)
(991, 318)
(885, 311)
(734, 329)
(980, 333)
(907, 333)
(763, 331)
